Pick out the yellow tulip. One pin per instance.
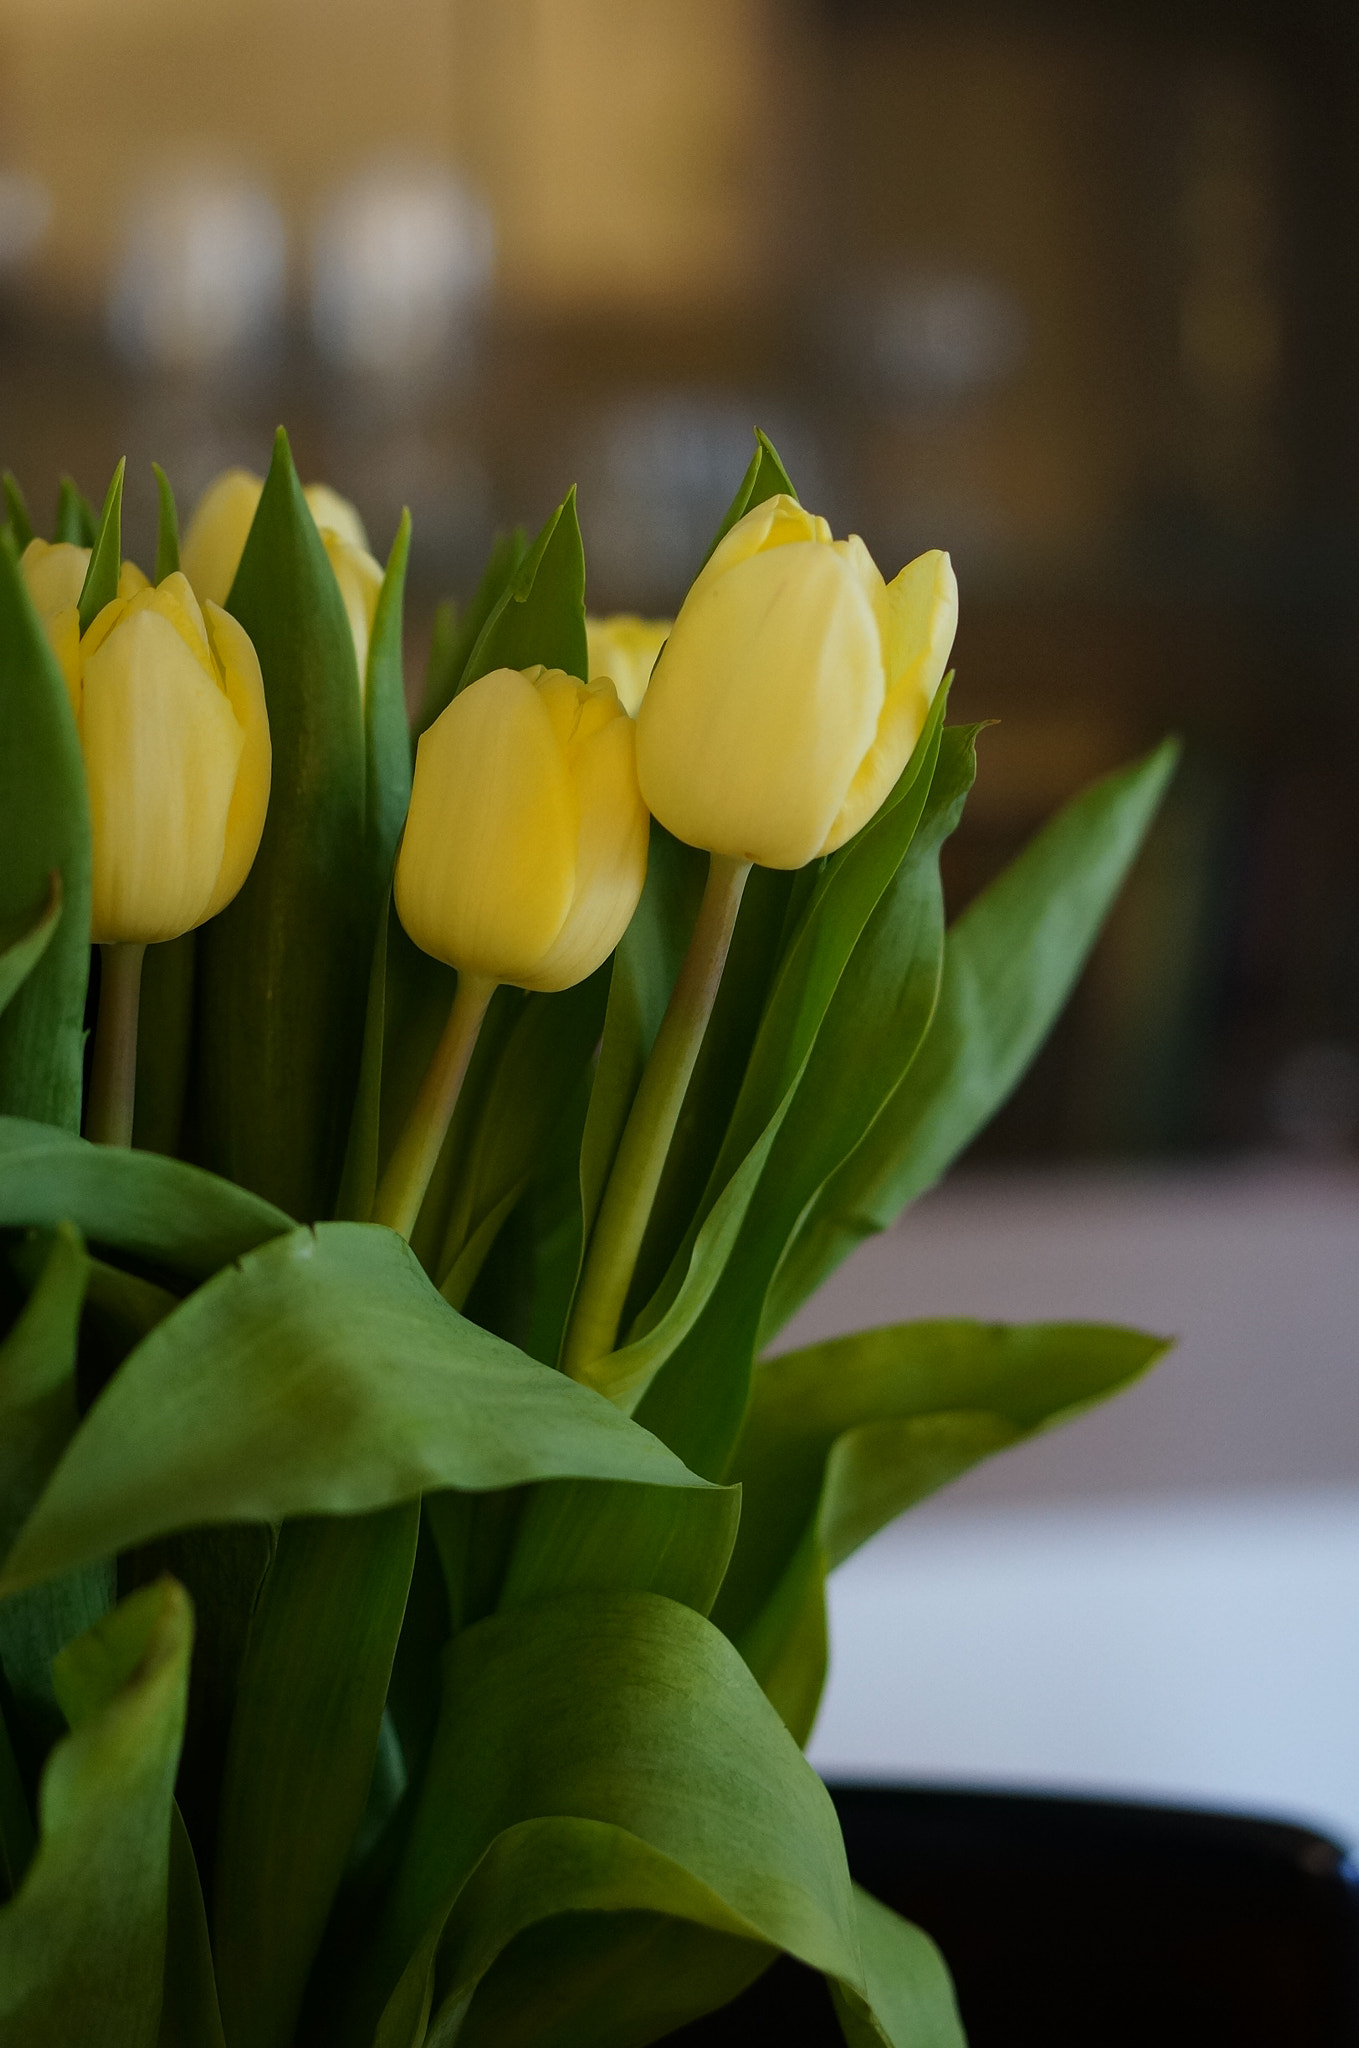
(526, 842)
(624, 648)
(792, 689)
(55, 574)
(170, 708)
(216, 536)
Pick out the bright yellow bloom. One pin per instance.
(792, 689)
(55, 574)
(526, 843)
(169, 704)
(624, 648)
(216, 536)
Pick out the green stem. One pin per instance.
(402, 1187)
(636, 1173)
(113, 1081)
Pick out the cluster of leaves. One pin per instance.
(366, 1680)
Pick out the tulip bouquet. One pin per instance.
(413, 1598)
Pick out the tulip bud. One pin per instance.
(526, 842)
(55, 574)
(624, 648)
(792, 689)
(170, 708)
(216, 537)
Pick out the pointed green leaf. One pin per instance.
(540, 616)
(840, 1438)
(593, 1535)
(1009, 965)
(106, 555)
(909, 2001)
(765, 478)
(172, 1215)
(190, 2017)
(167, 527)
(304, 1737)
(16, 505)
(16, 1822)
(164, 1044)
(46, 831)
(283, 971)
(626, 1763)
(387, 729)
(323, 1374)
(455, 637)
(76, 521)
(82, 1947)
(22, 954)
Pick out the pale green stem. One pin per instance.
(402, 1187)
(626, 1206)
(113, 1080)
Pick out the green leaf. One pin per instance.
(46, 831)
(190, 2017)
(540, 616)
(514, 1117)
(38, 1413)
(455, 637)
(283, 971)
(869, 1034)
(82, 1947)
(625, 1763)
(387, 731)
(323, 1374)
(598, 1536)
(1009, 965)
(38, 1417)
(22, 954)
(910, 2001)
(765, 478)
(172, 1215)
(106, 555)
(76, 521)
(304, 1738)
(840, 1438)
(167, 527)
(16, 505)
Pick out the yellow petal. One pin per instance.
(215, 539)
(486, 870)
(775, 523)
(238, 666)
(764, 702)
(54, 571)
(611, 846)
(921, 618)
(131, 579)
(336, 515)
(624, 648)
(162, 749)
(360, 581)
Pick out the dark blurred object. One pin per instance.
(1073, 1923)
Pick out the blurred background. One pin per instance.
(1067, 289)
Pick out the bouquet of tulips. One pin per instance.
(413, 1594)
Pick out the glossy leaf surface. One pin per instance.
(82, 1947)
(324, 1374)
(1010, 963)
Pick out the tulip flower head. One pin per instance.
(792, 689)
(215, 541)
(170, 709)
(624, 648)
(526, 842)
